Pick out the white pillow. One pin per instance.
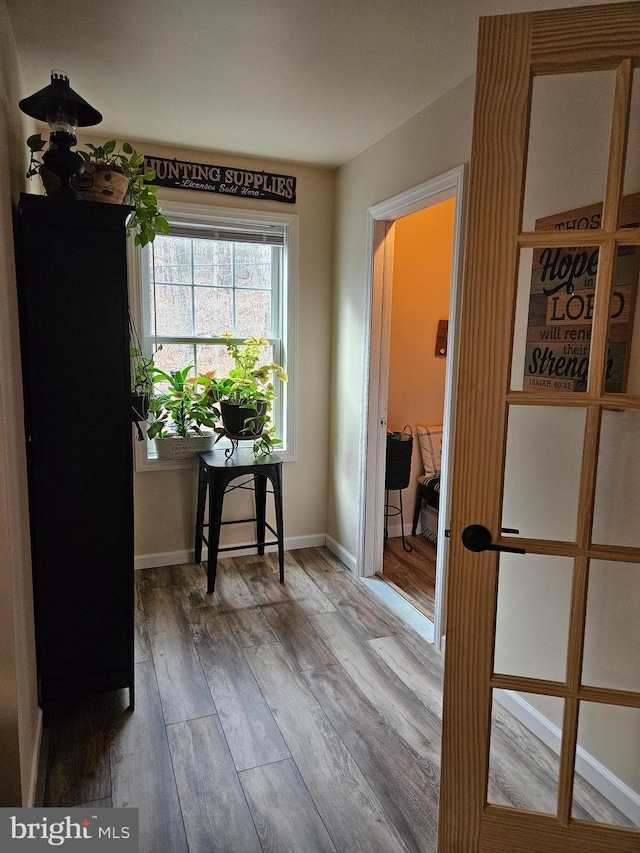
(430, 438)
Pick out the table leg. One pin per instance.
(260, 487)
(203, 481)
(386, 514)
(406, 546)
(216, 496)
(416, 513)
(277, 499)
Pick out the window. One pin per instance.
(217, 271)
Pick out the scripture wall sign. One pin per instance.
(226, 180)
(562, 302)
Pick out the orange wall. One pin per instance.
(421, 286)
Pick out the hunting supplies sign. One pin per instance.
(561, 305)
(226, 180)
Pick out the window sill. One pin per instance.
(143, 462)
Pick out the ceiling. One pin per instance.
(314, 81)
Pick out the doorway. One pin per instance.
(382, 219)
(421, 290)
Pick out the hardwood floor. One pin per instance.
(413, 573)
(300, 717)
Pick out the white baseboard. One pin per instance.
(162, 558)
(395, 529)
(341, 553)
(176, 558)
(35, 763)
(592, 771)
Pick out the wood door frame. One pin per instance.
(450, 185)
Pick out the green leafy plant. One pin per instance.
(141, 371)
(147, 218)
(183, 407)
(141, 387)
(36, 145)
(250, 385)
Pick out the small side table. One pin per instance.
(421, 494)
(215, 474)
(429, 492)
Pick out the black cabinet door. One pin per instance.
(75, 350)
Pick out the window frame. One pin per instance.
(285, 303)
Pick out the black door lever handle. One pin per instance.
(475, 537)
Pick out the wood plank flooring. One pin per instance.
(300, 717)
(413, 573)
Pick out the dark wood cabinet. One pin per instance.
(75, 355)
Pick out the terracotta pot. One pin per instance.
(234, 417)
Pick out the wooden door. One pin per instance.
(548, 436)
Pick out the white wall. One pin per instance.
(19, 714)
(432, 142)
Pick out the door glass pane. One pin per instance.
(568, 145)
(523, 770)
(542, 471)
(617, 500)
(608, 758)
(622, 370)
(632, 165)
(523, 339)
(532, 622)
(612, 636)
(554, 314)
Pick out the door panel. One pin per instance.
(529, 781)
(617, 498)
(622, 368)
(532, 617)
(558, 101)
(576, 508)
(608, 727)
(544, 451)
(612, 641)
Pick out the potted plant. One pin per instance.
(246, 394)
(183, 417)
(113, 176)
(141, 383)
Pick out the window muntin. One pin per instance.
(211, 275)
(204, 287)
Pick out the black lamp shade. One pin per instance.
(59, 94)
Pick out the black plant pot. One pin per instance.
(234, 418)
(139, 407)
